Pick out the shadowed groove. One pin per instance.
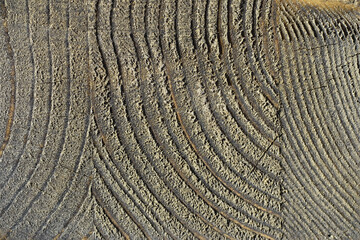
(20, 189)
(29, 124)
(220, 120)
(234, 72)
(289, 134)
(84, 210)
(41, 73)
(58, 154)
(10, 54)
(348, 166)
(340, 88)
(205, 81)
(124, 207)
(253, 56)
(228, 185)
(99, 47)
(212, 171)
(203, 124)
(128, 103)
(162, 202)
(228, 104)
(109, 215)
(331, 15)
(311, 107)
(310, 112)
(285, 154)
(108, 168)
(142, 77)
(78, 162)
(175, 165)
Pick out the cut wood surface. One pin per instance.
(179, 119)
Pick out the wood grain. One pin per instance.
(186, 119)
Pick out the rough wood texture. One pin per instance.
(186, 119)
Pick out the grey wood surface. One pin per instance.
(179, 119)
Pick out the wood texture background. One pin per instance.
(179, 119)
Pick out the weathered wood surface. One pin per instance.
(186, 119)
